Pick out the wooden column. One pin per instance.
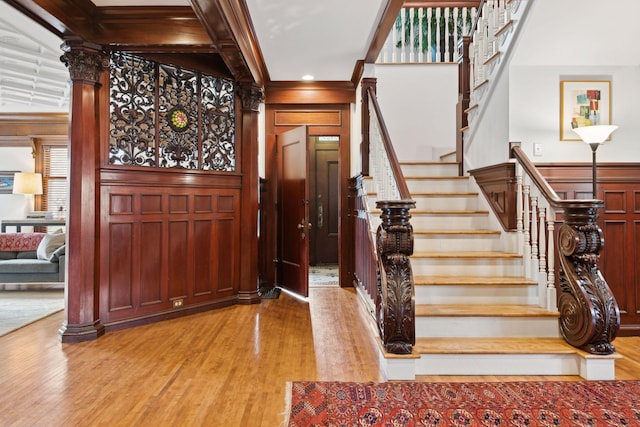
(251, 97)
(85, 62)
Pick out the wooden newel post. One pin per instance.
(395, 304)
(589, 314)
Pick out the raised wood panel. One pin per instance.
(164, 242)
(299, 118)
(634, 282)
(178, 259)
(636, 201)
(151, 270)
(614, 265)
(498, 184)
(121, 280)
(614, 201)
(226, 273)
(203, 255)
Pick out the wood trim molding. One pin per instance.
(387, 20)
(293, 92)
(33, 124)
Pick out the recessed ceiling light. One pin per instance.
(307, 77)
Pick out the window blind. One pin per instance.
(54, 179)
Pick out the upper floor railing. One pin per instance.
(426, 32)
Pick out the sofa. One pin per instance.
(32, 257)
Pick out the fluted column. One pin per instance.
(251, 96)
(589, 314)
(85, 62)
(395, 301)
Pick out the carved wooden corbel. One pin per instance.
(589, 314)
(395, 300)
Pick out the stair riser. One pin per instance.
(438, 185)
(498, 364)
(460, 203)
(469, 294)
(469, 267)
(449, 222)
(431, 169)
(487, 327)
(453, 243)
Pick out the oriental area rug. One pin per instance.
(539, 403)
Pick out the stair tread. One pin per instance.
(466, 254)
(443, 231)
(437, 177)
(441, 212)
(409, 163)
(483, 310)
(472, 280)
(444, 194)
(494, 346)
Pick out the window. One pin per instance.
(52, 161)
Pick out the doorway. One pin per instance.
(321, 120)
(324, 212)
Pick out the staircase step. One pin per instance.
(468, 255)
(472, 281)
(485, 321)
(429, 168)
(493, 346)
(467, 240)
(506, 356)
(483, 310)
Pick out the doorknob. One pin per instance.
(301, 226)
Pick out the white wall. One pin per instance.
(15, 206)
(418, 103)
(561, 41)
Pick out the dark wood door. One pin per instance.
(293, 210)
(324, 180)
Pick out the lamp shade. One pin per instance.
(27, 183)
(595, 134)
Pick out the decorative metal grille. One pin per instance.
(168, 117)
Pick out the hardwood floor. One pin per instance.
(222, 368)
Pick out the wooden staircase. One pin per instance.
(476, 312)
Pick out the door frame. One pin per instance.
(321, 119)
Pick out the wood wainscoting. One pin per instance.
(619, 188)
(166, 247)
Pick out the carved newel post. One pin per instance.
(589, 314)
(395, 300)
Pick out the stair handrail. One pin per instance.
(589, 313)
(394, 299)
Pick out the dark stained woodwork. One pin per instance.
(162, 243)
(381, 34)
(395, 306)
(299, 118)
(619, 258)
(310, 93)
(33, 124)
(323, 202)
(589, 314)
(499, 186)
(464, 98)
(270, 193)
(85, 63)
(251, 97)
(293, 210)
(368, 86)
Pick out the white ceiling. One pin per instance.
(32, 78)
(296, 38)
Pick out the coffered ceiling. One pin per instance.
(260, 40)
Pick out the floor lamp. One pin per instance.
(594, 136)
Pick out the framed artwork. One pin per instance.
(6, 181)
(583, 103)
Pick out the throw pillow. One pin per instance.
(49, 244)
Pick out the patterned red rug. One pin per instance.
(540, 403)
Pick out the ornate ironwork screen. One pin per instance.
(168, 117)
